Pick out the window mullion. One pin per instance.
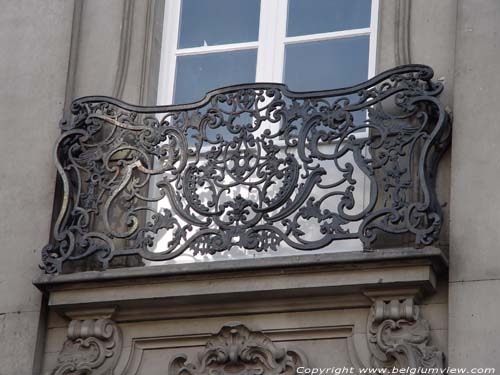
(266, 41)
(280, 21)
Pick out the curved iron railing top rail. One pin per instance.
(253, 166)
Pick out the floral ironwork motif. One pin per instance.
(249, 166)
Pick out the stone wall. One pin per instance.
(475, 177)
(34, 40)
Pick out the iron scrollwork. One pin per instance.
(253, 166)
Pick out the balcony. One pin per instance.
(250, 169)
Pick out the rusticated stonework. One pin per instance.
(399, 337)
(92, 347)
(236, 350)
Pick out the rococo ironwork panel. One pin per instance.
(249, 167)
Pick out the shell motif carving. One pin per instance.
(236, 350)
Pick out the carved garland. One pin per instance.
(399, 337)
(236, 350)
(92, 347)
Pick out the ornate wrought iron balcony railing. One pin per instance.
(253, 166)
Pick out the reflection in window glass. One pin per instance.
(322, 16)
(217, 22)
(326, 64)
(197, 74)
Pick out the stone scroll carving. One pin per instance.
(236, 350)
(92, 347)
(399, 337)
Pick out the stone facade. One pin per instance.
(396, 307)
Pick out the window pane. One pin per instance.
(197, 74)
(327, 64)
(214, 22)
(322, 16)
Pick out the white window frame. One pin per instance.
(270, 45)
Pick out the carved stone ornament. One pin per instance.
(236, 350)
(92, 347)
(399, 337)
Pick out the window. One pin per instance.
(307, 44)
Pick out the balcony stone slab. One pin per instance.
(339, 280)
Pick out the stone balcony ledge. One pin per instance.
(339, 280)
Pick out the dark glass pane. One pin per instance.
(322, 16)
(214, 22)
(197, 74)
(326, 64)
